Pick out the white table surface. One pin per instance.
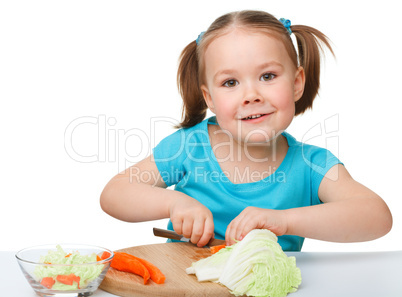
(368, 274)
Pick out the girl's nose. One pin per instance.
(252, 96)
(255, 100)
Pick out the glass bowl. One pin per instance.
(80, 274)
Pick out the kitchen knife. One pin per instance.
(173, 235)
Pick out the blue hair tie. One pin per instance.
(198, 40)
(287, 24)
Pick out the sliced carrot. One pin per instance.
(105, 255)
(65, 279)
(68, 255)
(69, 279)
(102, 256)
(217, 248)
(77, 279)
(156, 275)
(47, 282)
(125, 262)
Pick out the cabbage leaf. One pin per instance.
(255, 266)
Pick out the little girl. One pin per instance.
(240, 170)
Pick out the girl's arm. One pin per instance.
(139, 194)
(350, 213)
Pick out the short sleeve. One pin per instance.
(320, 161)
(169, 156)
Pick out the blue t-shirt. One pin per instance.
(186, 159)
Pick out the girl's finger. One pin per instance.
(245, 230)
(239, 230)
(227, 234)
(245, 222)
(230, 235)
(187, 227)
(240, 226)
(208, 232)
(198, 230)
(177, 226)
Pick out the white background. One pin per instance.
(88, 81)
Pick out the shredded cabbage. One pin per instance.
(255, 266)
(86, 273)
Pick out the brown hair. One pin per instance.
(191, 74)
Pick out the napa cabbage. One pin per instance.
(255, 266)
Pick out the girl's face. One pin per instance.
(251, 85)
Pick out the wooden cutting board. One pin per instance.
(172, 259)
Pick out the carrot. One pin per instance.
(105, 255)
(69, 279)
(102, 256)
(217, 248)
(47, 282)
(125, 262)
(156, 275)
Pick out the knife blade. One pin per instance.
(173, 235)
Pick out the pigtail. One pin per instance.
(309, 43)
(194, 106)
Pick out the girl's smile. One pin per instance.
(256, 118)
(251, 84)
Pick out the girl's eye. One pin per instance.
(231, 83)
(267, 76)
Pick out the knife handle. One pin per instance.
(169, 234)
(173, 235)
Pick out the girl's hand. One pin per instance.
(256, 218)
(192, 219)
